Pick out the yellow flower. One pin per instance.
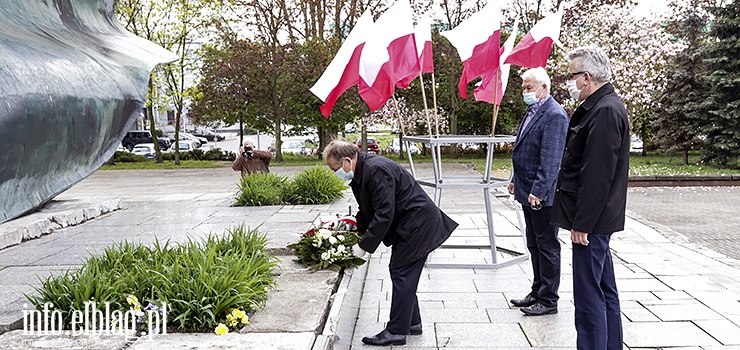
(131, 299)
(233, 321)
(221, 329)
(241, 316)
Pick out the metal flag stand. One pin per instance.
(485, 182)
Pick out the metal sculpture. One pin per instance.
(72, 81)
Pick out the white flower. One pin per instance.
(332, 240)
(323, 233)
(325, 256)
(341, 248)
(340, 237)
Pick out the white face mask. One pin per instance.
(573, 89)
(345, 175)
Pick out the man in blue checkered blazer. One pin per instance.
(538, 151)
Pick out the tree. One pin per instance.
(722, 121)
(174, 25)
(676, 121)
(638, 51)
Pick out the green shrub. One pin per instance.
(201, 282)
(126, 157)
(261, 189)
(197, 154)
(316, 185)
(218, 154)
(183, 156)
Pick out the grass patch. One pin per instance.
(167, 164)
(201, 282)
(672, 164)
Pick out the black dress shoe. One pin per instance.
(385, 338)
(529, 300)
(415, 329)
(538, 310)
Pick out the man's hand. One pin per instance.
(535, 202)
(357, 251)
(511, 188)
(579, 237)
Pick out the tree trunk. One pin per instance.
(152, 129)
(685, 154)
(453, 131)
(400, 145)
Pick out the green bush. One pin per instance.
(261, 189)
(218, 154)
(126, 157)
(316, 185)
(201, 282)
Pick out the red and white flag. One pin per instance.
(343, 71)
(389, 57)
(486, 91)
(477, 40)
(534, 48)
(423, 34)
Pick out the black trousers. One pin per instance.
(544, 250)
(597, 316)
(404, 304)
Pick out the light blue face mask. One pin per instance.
(345, 175)
(530, 98)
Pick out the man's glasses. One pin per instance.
(570, 76)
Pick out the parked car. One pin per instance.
(144, 149)
(293, 146)
(135, 137)
(350, 128)
(372, 128)
(635, 144)
(372, 145)
(209, 135)
(185, 145)
(394, 147)
(184, 136)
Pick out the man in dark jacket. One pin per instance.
(394, 210)
(592, 195)
(536, 160)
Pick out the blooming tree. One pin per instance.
(638, 50)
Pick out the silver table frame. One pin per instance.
(484, 182)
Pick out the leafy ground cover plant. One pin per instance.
(261, 189)
(201, 283)
(316, 185)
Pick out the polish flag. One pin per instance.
(389, 58)
(485, 91)
(423, 33)
(477, 41)
(343, 71)
(534, 48)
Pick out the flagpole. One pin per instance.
(434, 98)
(495, 106)
(426, 108)
(398, 114)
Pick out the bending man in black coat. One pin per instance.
(393, 210)
(591, 196)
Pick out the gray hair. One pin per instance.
(339, 149)
(539, 74)
(592, 60)
(249, 141)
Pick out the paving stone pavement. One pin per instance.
(676, 290)
(707, 216)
